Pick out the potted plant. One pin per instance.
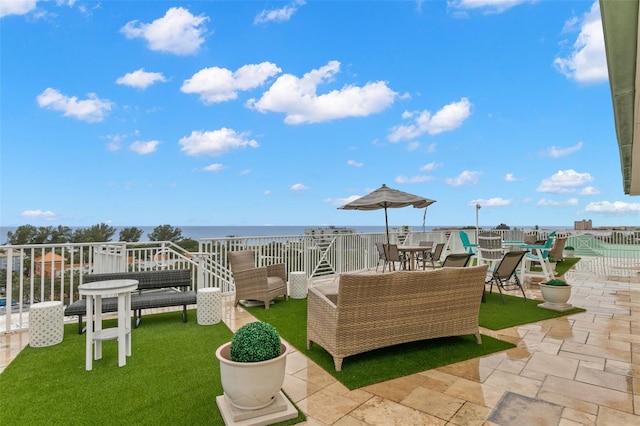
(556, 293)
(252, 366)
(569, 251)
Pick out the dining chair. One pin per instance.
(422, 256)
(456, 260)
(489, 248)
(433, 256)
(392, 255)
(381, 256)
(505, 270)
(557, 249)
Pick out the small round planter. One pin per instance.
(251, 385)
(569, 253)
(555, 297)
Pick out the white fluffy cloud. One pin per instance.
(215, 167)
(431, 167)
(495, 6)
(464, 178)
(141, 79)
(587, 62)
(220, 84)
(354, 163)
(38, 214)
(299, 100)
(144, 147)
(556, 152)
(16, 7)
(278, 15)
(558, 203)
(615, 208)
(490, 202)
(589, 190)
(216, 142)
(177, 32)
(450, 117)
(92, 109)
(298, 187)
(412, 179)
(341, 201)
(564, 181)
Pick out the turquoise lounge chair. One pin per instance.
(468, 247)
(543, 249)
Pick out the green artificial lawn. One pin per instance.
(172, 377)
(561, 267)
(516, 311)
(290, 319)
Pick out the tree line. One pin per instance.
(29, 234)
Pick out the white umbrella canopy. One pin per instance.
(384, 198)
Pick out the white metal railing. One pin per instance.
(43, 272)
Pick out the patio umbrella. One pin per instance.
(384, 198)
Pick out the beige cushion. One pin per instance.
(274, 283)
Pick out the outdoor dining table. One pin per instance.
(412, 251)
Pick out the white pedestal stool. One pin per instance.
(46, 324)
(298, 285)
(209, 301)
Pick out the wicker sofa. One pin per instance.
(363, 312)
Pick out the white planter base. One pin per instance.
(279, 410)
(560, 307)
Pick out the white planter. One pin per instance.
(569, 253)
(556, 297)
(251, 385)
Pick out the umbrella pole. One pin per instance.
(386, 222)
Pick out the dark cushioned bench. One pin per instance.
(156, 289)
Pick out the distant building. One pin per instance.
(15, 262)
(49, 264)
(330, 230)
(582, 225)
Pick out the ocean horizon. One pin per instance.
(200, 232)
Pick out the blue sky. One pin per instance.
(143, 113)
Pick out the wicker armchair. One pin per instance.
(262, 284)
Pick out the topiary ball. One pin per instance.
(556, 282)
(254, 342)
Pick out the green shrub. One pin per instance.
(556, 282)
(569, 248)
(253, 342)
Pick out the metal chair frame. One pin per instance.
(505, 270)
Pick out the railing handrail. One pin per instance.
(39, 272)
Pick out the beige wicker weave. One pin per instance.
(372, 311)
(262, 284)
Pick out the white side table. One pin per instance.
(209, 309)
(298, 284)
(46, 324)
(95, 334)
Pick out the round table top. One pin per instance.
(108, 287)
